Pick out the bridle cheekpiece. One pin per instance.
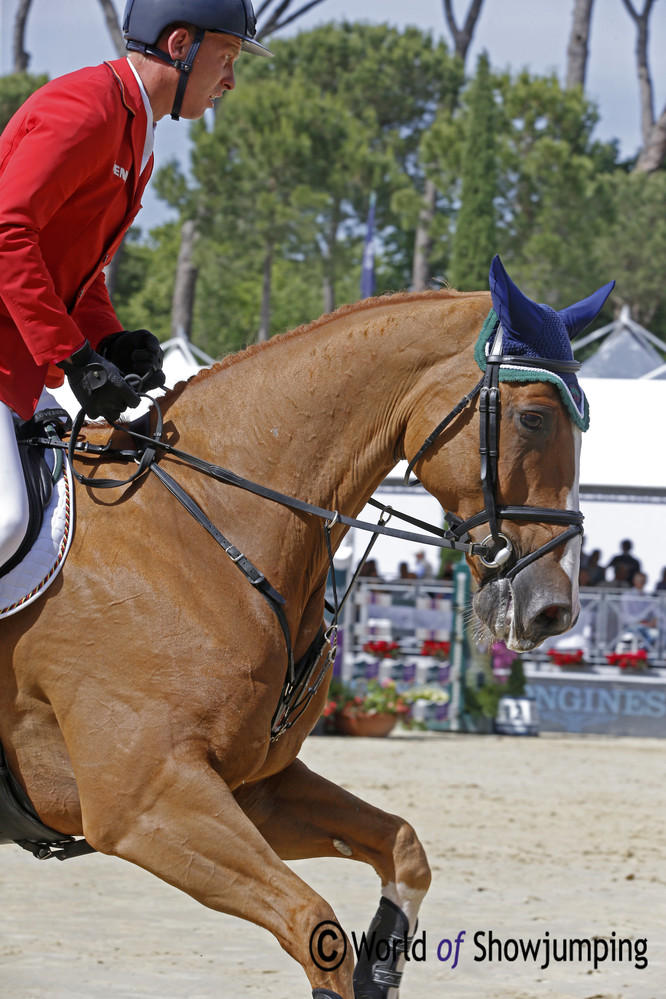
(500, 551)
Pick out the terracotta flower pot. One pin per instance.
(375, 725)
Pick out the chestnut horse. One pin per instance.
(136, 696)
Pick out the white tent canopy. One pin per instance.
(624, 447)
(628, 350)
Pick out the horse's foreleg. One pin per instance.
(181, 823)
(303, 815)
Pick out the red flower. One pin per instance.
(561, 658)
(382, 649)
(628, 660)
(440, 650)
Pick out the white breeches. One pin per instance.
(14, 511)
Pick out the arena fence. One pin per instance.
(602, 667)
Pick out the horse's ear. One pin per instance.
(515, 311)
(580, 315)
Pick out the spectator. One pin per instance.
(370, 569)
(620, 579)
(423, 568)
(661, 585)
(626, 558)
(404, 573)
(638, 610)
(594, 573)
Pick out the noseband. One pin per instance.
(501, 556)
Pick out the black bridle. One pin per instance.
(499, 550)
(496, 552)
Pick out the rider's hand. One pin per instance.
(135, 352)
(100, 388)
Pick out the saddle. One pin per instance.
(32, 437)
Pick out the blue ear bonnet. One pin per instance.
(532, 330)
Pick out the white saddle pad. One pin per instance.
(30, 578)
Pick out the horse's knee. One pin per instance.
(409, 858)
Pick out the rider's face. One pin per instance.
(212, 73)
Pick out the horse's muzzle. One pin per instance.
(539, 603)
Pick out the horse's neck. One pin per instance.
(321, 412)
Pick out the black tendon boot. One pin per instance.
(325, 994)
(386, 942)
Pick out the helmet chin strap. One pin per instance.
(184, 66)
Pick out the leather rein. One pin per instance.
(496, 551)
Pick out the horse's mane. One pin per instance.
(396, 298)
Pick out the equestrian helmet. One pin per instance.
(145, 20)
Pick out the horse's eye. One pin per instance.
(532, 421)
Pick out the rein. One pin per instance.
(299, 688)
(496, 551)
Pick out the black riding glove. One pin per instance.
(98, 385)
(135, 352)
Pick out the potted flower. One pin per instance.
(381, 648)
(629, 662)
(435, 666)
(384, 654)
(371, 710)
(428, 707)
(566, 657)
(437, 650)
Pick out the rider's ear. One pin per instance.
(178, 42)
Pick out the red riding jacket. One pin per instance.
(69, 190)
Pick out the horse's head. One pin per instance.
(521, 503)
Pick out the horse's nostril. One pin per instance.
(554, 619)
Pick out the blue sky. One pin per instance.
(66, 34)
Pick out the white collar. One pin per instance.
(151, 126)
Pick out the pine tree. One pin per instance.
(474, 242)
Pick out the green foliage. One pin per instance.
(475, 240)
(366, 697)
(283, 177)
(523, 172)
(144, 286)
(279, 187)
(551, 208)
(481, 701)
(632, 246)
(14, 91)
(515, 684)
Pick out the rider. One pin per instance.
(74, 162)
